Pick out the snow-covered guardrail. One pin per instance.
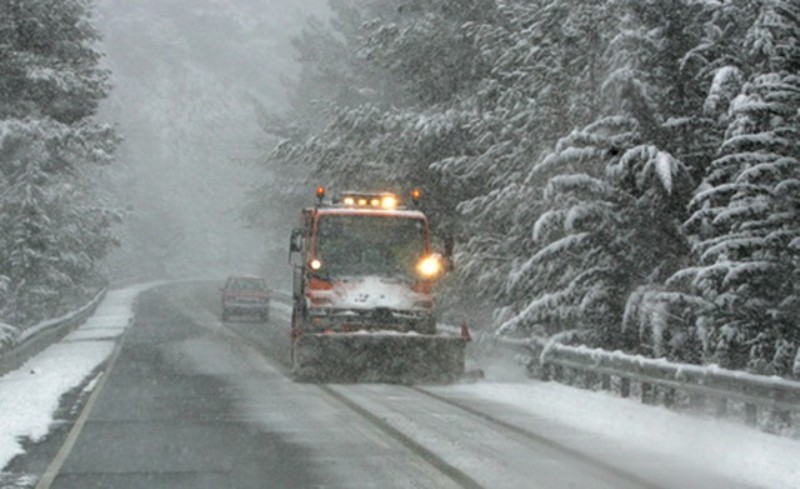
(658, 379)
(36, 338)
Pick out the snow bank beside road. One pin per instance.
(650, 432)
(30, 395)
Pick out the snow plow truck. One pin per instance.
(363, 303)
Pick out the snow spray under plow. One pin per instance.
(380, 357)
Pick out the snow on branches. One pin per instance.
(624, 170)
(53, 227)
(597, 237)
(747, 216)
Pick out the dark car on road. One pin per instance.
(244, 295)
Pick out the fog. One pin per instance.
(187, 77)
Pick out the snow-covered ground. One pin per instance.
(651, 433)
(30, 395)
(29, 398)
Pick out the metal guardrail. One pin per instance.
(660, 380)
(39, 337)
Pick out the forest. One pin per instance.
(615, 173)
(56, 221)
(620, 174)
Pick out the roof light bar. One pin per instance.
(389, 202)
(385, 200)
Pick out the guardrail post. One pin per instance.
(589, 380)
(646, 393)
(557, 373)
(750, 414)
(783, 417)
(544, 372)
(669, 397)
(722, 407)
(697, 401)
(567, 375)
(624, 387)
(572, 376)
(606, 382)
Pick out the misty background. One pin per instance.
(189, 79)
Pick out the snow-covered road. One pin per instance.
(193, 402)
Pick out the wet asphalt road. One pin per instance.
(160, 423)
(193, 402)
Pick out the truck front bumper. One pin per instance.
(321, 319)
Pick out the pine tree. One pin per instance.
(617, 167)
(54, 230)
(747, 211)
(50, 63)
(605, 229)
(545, 61)
(393, 122)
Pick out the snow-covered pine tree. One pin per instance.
(658, 77)
(404, 121)
(332, 74)
(333, 79)
(622, 69)
(545, 61)
(604, 231)
(746, 215)
(50, 86)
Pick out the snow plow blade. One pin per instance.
(378, 358)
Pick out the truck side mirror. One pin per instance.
(296, 242)
(444, 246)
(296, 246)
(449, 243)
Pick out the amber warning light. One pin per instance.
(389, 202)
(378, 201)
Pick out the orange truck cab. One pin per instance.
(363, 261)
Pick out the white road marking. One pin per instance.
(55, 466)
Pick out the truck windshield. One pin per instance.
(369, 245)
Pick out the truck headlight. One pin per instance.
(430, 266)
